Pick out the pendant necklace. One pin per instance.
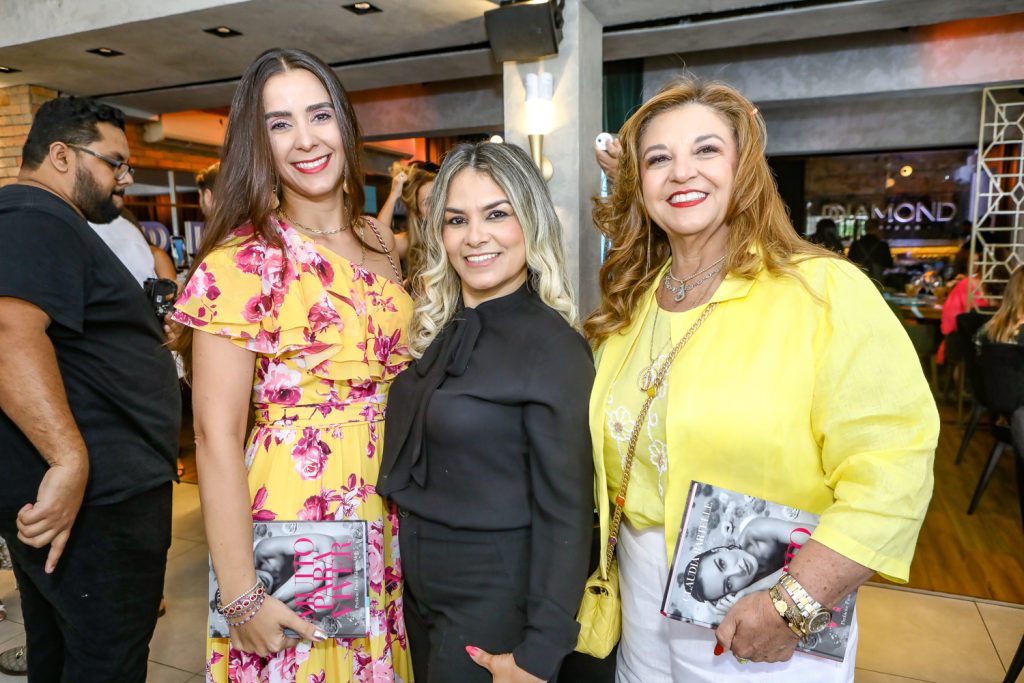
(679, 290)
(647, 376)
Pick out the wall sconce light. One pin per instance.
(540, 116)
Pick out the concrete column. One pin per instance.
(18, 104)
(577, 104)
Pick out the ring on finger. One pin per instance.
(741, 660)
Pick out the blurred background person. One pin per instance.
(206, 183)
(966, 289)
(826, 235)
(1007, 325)
(412, 184)
(143, 260)
(871, 252)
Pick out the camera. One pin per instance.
(161, 293)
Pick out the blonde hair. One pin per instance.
(438, 285)
(417, 178)
(1003, 326)
(760, 232)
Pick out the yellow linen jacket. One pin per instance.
(816, 403)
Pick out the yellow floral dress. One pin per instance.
(330, 337)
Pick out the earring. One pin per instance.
(275, 199)
(649, 231)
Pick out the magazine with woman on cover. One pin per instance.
(731, 545)
(318, 569)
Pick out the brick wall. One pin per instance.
(176, 156)
(20, 102)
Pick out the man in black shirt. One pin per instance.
(89, 407)
(871, 252)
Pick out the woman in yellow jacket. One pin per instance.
(786, 377)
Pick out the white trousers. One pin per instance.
(656, 649)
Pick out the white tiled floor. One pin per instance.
(906, 636)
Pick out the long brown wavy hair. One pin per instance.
(1003, 325)
(247, 186)
(760, 232)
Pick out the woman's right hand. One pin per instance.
(264, 635)
(608, 159)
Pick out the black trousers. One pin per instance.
(92, 619)
(461, 588)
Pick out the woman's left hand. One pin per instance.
(753, 630)
(398, 181)
(502, 667)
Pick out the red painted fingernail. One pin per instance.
(473, 652)
(719, 649)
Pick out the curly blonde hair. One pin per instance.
(417, 177)
(438, 285)
(760, 232)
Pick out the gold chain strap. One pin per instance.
(384, 248)
(627, 468)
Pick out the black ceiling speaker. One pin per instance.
(524, 30)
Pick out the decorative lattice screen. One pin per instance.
(998, 206)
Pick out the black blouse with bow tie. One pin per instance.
(489, 431)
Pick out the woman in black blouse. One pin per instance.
(487, 451)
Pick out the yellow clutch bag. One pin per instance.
(600, 614)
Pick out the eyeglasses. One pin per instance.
(121, 168)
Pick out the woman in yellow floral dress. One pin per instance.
(300, 313)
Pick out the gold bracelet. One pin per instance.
(789, 613)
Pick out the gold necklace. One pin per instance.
(289, 219)
(650, 372)
(652, 386)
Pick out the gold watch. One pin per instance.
(789, 613)
(815, 616)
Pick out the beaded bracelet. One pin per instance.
(245, 605)
(247, 617)
(253, 607)
(243, 601)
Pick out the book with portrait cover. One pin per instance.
(318, 569)
(731, 545)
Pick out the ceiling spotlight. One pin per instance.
(362, 8)
(8, 69)
(222, 31)
(497, 139)
(905, 171)
(105, 52)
